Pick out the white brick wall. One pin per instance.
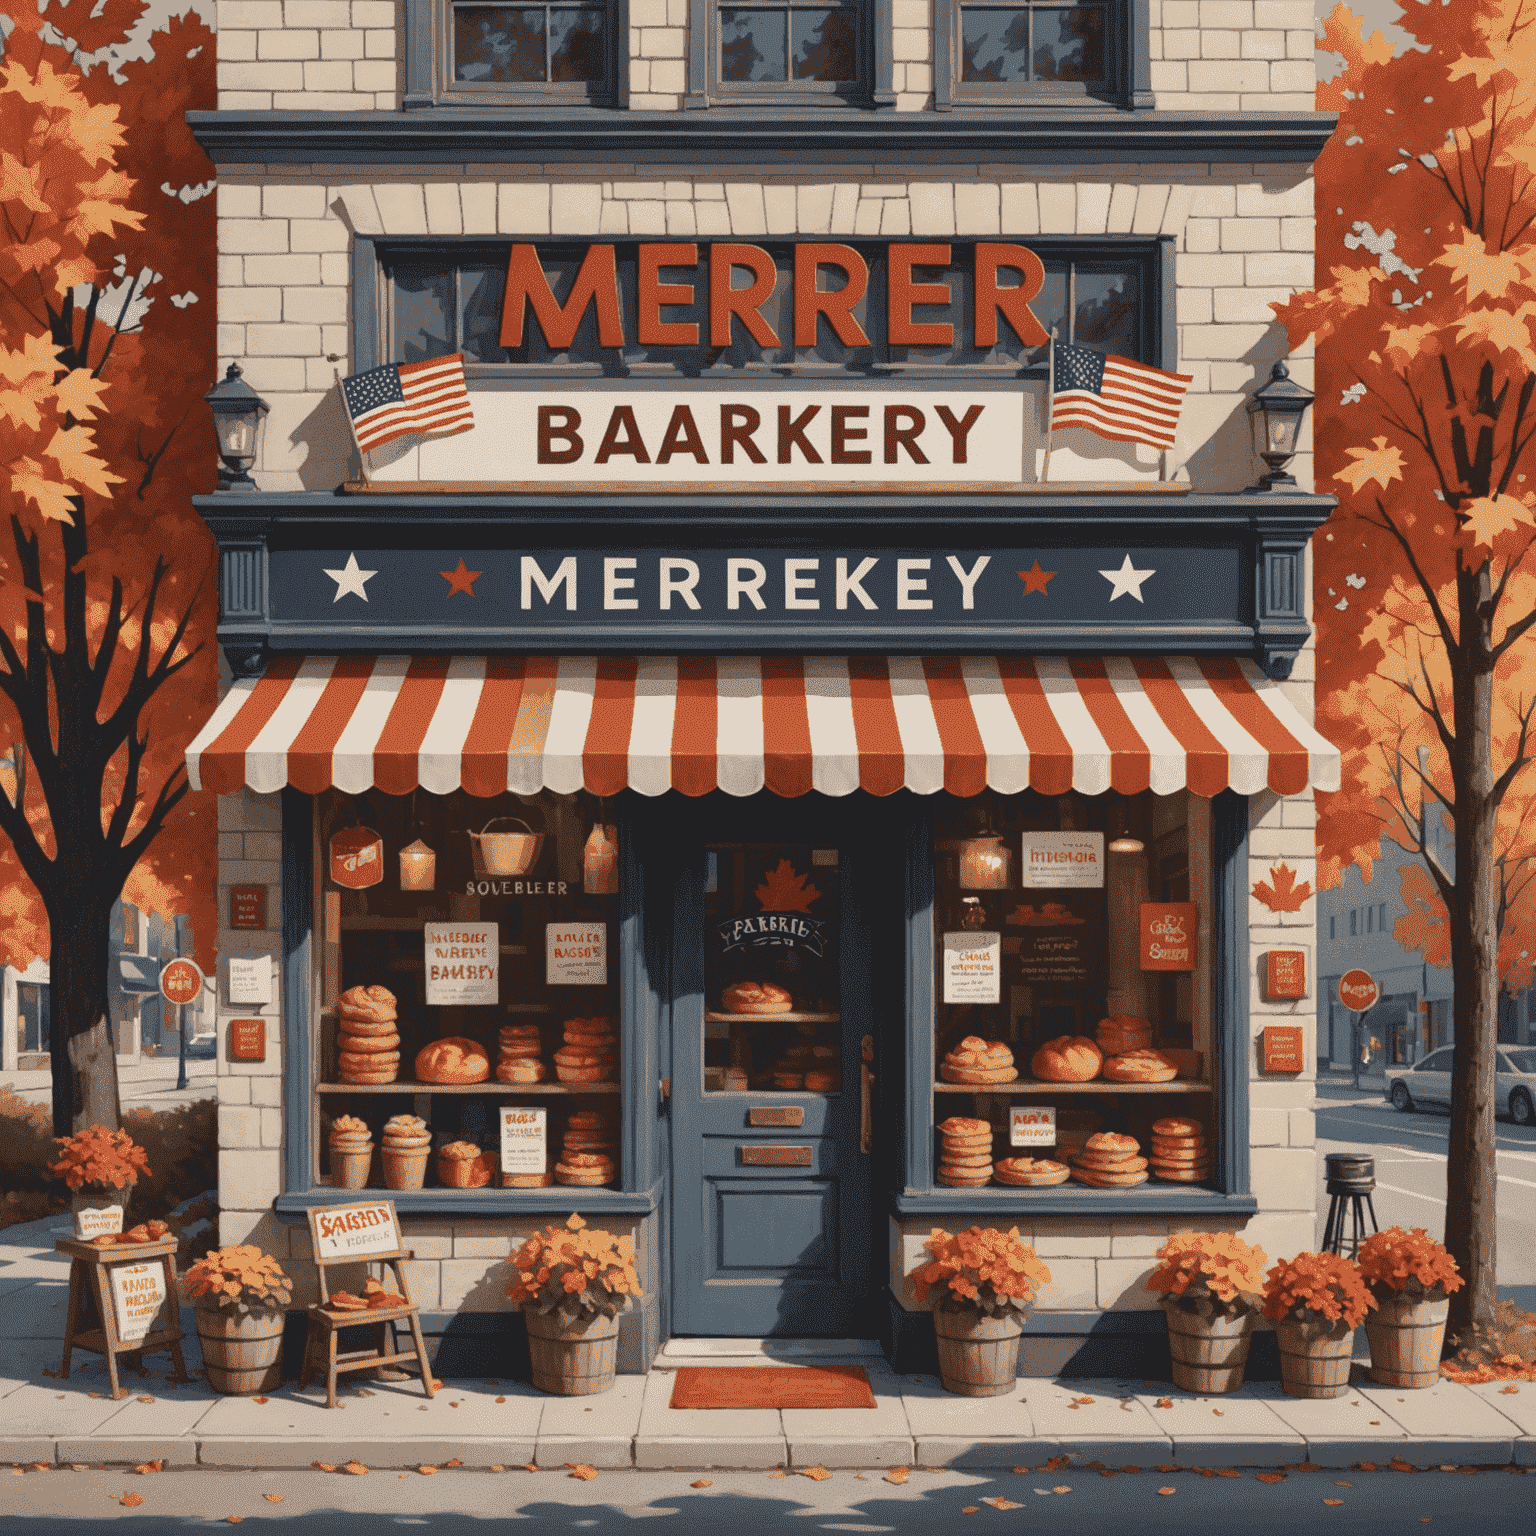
(311, 55)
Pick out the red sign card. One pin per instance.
(1285, 975)
(247, 906)
(247, 1039)
(1168, 930)
(180, 981)
(1283, 1048)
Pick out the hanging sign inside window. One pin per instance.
(357, 858)
(463, 963)
(1060, 944)
(1168, 930)
(524, 1139)
(138, 1294)
(1032, 1125)
(1059, 860)
(250, 979)
(576, 954)
(787, 898)
(973, 967)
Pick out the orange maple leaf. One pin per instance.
(1284, 895)
(785, 891)
(1485, 517)
(1382, 463)
(1482, 270)
(1508, 330)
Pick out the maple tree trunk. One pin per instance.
(83, 1055)
(1471, 1175)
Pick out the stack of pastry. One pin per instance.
(1122, 1032)
(586, 1168)
(1145, 1066)
(1030, 1171)
(1110, 1161)
(965, 1152)
(520, 1047)
(590, 1053)
(351, 1152)
(370, 1041)
(589, 1130)
(406, 1133)
(823, 1073)
(789, 1070)
(976, 1060)
(1178, 1150)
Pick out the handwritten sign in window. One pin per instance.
(973, 966)
(576, 954)
(463, 964)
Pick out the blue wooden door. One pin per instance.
(770, 1155)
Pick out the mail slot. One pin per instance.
(775, 1157)
(776, 1114)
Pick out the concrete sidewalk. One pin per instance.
(489, 1422)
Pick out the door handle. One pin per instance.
(866, 1094)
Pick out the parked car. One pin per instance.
(1428, 1082)
(202, 1047)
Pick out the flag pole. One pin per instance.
(362, 458)
(1050, 404)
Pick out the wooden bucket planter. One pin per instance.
(1407, 1337)
(572, 1359)
(978, 1355)
(243, 1353)
(1209, 1354)
(1314, 1367)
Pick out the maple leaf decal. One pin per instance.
(785, 891)
(1284, 895)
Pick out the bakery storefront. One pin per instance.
(731, 793)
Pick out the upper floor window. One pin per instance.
(784, 51)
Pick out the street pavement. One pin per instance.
(146, 1084)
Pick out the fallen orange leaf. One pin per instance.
(816, 1474)
(93, 1394)
(324, 1466)
(1167, 1490)
(1339, 1482)
(1001, 1503)
(585, 1473)
(702, 1482)
(531, 1466)
(1169, 1466)
(146, 1399)
(426, 1471)
(1270, 1477)
(1164, 1402)
(501, 1399)
(1061, 1488)
(898, 1475)
(356, 1468)
(233, 1519)
(1365, 1466)
(1334, 1502)
(1508, 1391)
(1227, 1472)
(971, 1509)
(148, 1466)
(498, 1468)
(273, 1498)
(1057, 1464)
(258, 1400)
(131, 1500)
(454, 1463)
(776, 1474)
(1130, 1469)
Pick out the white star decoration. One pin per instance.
(350, 579)
(1126, 579)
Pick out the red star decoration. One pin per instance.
(460, 580)
(1035, 579)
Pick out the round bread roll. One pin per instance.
(363, 1029)
(1178, 1154)
(1101, 1162)
(1181, 1175)
(1031, 1171)
(1103, 1180)
(593, 1074)
(1140, 1067)
(597, 1025)
(453, 1060)
(756, 997)
(574, 1056)
(963, 1179)
(1177, 1125)
(1113, 1141)
(1067, 1059)
(587, 1141)
(590, 1177)
(1159, 1140)
(519, 1031)
(384, 1061)
(369, 1045)
(521, 1071)
(960, 1125)
(363, 1079)
(367, 1003)
(514, 1053)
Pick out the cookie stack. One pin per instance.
(351, 1151)
(590, 1053)
(519, 1055)
(407, 1147)
(1110, 1161)
(1030, 1171)
(965, 1153)
(588, 1130)
(976, 1060)
(584, 1168)
(370, 1042)
(1178, 1151)
(1123, 1032)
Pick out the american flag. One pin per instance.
(399, 399)
(1125, 401)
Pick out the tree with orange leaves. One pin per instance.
(1425, 578)
(106, 606)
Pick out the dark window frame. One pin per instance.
(1129, 73)
(429, 78)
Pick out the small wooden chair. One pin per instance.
(368, 1233)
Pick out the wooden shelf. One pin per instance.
(490, 1085)
(774, 1018)
(1030, 1085)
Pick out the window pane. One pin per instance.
(480, 294)
(504, 44)
(825, 44)
(994, 44)
(576, 45)
(1069, 44)
(1107, 311)
(423, 312)
(753, 45)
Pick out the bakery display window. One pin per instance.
(771, 1020)
(1073, 992)
(468, 1022)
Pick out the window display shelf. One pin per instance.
(490, 1085)
(773, 1018)
(1030, 1085)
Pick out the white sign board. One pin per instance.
(355, 1231)
(1032, 1125)
(138, 1293)
(973, 967)
(561, 432)
(524, 1139)
(95, 1223)
(1062, 860)
(463, 963)
(576, 954)
(250, 978)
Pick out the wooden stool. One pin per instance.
(90, 1286)
(378, 1243)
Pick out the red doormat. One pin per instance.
(772, 1386)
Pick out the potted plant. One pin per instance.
(986, 1282)
(1316, 1301)
(1411, 1277)
(240, 1293)
(98, 1166)
(1212, 1285)
(572, 1282)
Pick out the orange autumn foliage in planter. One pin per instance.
(97, 1156)
(1212, 1274)
(981, 1270)
(241, 1277)
(1319, 1291)
(1412, 1264)
(575, 1271)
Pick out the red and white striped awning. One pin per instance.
(789, 724)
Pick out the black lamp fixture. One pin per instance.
(238, 412)
(1274, 413)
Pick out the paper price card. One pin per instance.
(524, 1139)
(98, 1223)
(973, 967)
(463, 963)
(138, 1293)
(355, 1231)
(576, 954)
(250, 979)
(1032, 1125)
